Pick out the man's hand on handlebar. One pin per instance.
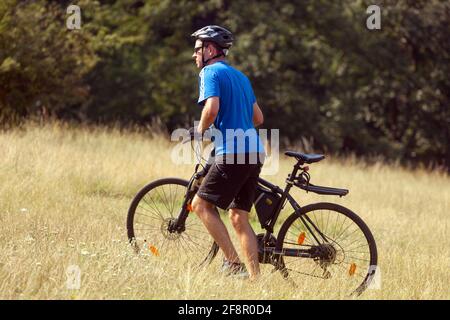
(195, 135)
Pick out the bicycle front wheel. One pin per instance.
(342, 247)
(151, 212)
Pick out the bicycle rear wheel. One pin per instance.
(152, 210)
(347, 249)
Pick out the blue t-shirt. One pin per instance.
(235, 117)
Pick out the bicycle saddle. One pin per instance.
(304, 157)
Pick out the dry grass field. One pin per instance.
(65, 193)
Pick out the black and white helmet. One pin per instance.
(219, 35)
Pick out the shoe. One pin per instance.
(235, 269)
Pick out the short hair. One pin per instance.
(218, 48)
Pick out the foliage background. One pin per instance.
(318, 73)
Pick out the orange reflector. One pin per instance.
(189, 207)
(352, 269)
(301, 238)
(154, 251)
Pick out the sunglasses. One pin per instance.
(196, 50)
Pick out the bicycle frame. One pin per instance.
(312, 252)
(178, 224)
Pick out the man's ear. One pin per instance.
(211, 50)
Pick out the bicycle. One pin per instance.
(323, 240)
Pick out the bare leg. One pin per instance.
(207, 212)
(247, 237)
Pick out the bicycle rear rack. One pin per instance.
(323, 190)
(302, 181)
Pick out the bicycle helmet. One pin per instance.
(216, 34)
(219, 35)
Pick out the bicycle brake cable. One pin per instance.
(198, 154)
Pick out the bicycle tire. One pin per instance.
(156, 240)
(348, 272)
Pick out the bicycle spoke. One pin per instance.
(340, 234)
(321, 216)
(355, 258)
(195, 237)
(188, 245)
(357, 242)
(193, 245)
(344, 250)
(190, 236)
(363, 245)
(349, 234)
(365, 252)
(156, 207)
(164, 203)
(197, 231)
(185, 248)
(165, 243)
(168, 202)
(155, 213)
(315, 220)
(342, 226)
(299, 232)
(171, 198)
(146, 224)
(146, 215)
(328, 220)
(144, 229)
(346, 270)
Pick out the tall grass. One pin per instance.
(65, 192)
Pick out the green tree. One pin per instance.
(42, 64)
(317, 71)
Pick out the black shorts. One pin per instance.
(230, 186)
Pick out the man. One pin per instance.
(230, 104)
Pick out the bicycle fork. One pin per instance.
(178, 224)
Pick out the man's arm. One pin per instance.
(209, 114)
(258, 117)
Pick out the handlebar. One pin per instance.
(196, 136)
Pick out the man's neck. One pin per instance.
(219, 59)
